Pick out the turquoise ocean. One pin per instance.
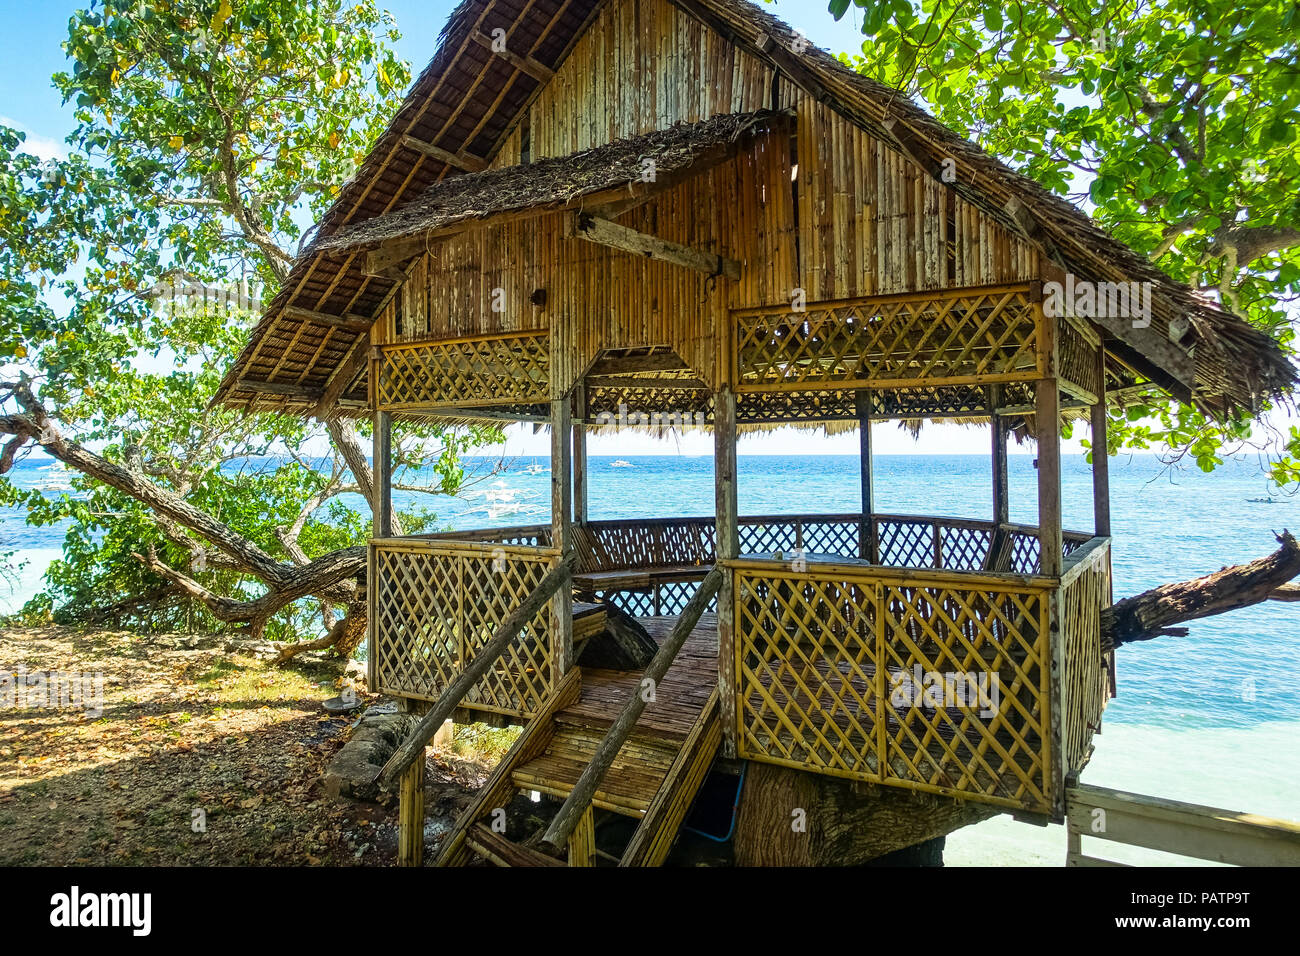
(1211, 718)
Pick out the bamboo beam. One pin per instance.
(1100, 457)
(557, 579)
(462, 161)
(621, 364)
(524, 64)
(579, 799)
(342, 376)
(281, 388)
(611, 234)
(350, 321)
(627, 381)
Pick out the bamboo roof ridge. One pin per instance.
(468, 100)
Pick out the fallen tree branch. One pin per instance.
(1153, 613)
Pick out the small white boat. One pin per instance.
(620, 463)
(534, 469)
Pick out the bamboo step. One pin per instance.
(629, 788)
(499, 851)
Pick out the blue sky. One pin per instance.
(30, 52)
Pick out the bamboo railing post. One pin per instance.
(1100, 455)
(579, 799)
(557, 579)
(562, 529)
(726, 548)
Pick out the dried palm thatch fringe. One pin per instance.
(558, 181)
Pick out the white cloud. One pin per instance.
(39, 146)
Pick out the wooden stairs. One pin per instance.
(654, 778)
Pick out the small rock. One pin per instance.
(341, 705)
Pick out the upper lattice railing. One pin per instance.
(949, 337)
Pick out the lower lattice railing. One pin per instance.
(926, 680)
(435, 602)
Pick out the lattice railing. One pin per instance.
(1085, 683)
(904, 541)
(949, 337)
(509, 369)
(827, 660)
(436, 603)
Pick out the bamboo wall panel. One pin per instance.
(871, 222)
(966, 336)
(821, 656)
(643, 65)
(511, 151)
(438, 602)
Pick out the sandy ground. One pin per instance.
(198, 754)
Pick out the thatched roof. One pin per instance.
(468, 100)
(559, 181)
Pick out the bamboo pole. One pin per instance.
(382, 490)
(579, 800)
(727, 548)
(1001, 499)
(868, 546)
(556, 580)
(580, 460)
(562, 529)
(1100, 455)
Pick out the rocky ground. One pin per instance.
(199, 753)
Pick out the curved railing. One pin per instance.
(664, 557)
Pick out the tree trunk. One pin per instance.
(791, 818)
(1152, 613)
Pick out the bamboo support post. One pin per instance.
(727, 548)
(556, 580)
(580, 480)
(1100, 456)
(579, 799)
(1047, 421)
(868, 544)
(1001, 498)
(410, 830)
(562, 527)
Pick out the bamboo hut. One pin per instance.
(596, 214)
